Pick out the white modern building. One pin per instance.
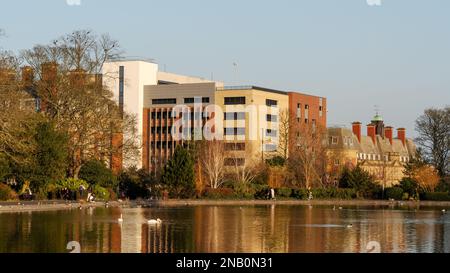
(127, 80)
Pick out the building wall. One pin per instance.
(382, 159)
(255, 124)
(316, 112)
(158, 141)
(137, 74)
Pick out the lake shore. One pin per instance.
(14, 207)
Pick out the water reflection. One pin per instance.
(254, 229)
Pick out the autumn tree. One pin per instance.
(433, 128)
(74, 98)
(427, 177)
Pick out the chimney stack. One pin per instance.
(49, 72)
(401, 134)
(27, 76)
(371, 132)
(357, 130)
(389, 133)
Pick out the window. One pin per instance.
(196, 100)
(234, 162)
(306, 107)
(270, 147)
(271, 133)
(334, 140)
(299, 111)
(272, 118)
(234, 146)
(337, 162)
(164, 101)
(234, 131)
(271, 103)
(234, 100)
(235, 116)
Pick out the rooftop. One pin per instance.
(251, 87)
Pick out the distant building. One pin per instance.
(378, 152)
(151, 96)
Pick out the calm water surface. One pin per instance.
(233, 229)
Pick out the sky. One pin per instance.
(358, 53)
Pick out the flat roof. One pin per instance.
(251, 87)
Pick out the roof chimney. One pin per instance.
(357, 130)
(389, 133)
(371, 132)
(27, 76)
(401, 134)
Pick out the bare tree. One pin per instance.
(284, 134)
(213, 162)
(308, 154)
(73, 97)
(245, 171)
(17, 116)
(434, 138)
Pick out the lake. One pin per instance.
(228, 229)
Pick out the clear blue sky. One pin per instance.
(396, 55)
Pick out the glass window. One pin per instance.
(164, 101)
(271, 103)
(234, 100)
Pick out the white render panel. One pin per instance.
(137, 74)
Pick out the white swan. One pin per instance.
(154, 222)
(120, 220)
(349, 226)
(444, 211)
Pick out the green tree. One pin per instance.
(361, 181)
(95, 172)
(135, 184)
(178, 174)
(50, 161)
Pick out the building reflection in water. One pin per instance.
(228, 229)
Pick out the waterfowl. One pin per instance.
(349, 226)
(340, 208)
(154, 222)
(444, 211)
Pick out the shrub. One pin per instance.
(409, 186)
(101, 193)
(395, 193)
(71, 184)
(300, 194)
(284, 192)
(361, 181)
(96, 173)
(261, 191)
(6, 193)
(220, 193)
(436, 196)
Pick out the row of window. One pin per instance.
(230, 162)
(362, 156)
(169, 114)
(234, 131)
(235, 146)
(186, 100)
(242, 101)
